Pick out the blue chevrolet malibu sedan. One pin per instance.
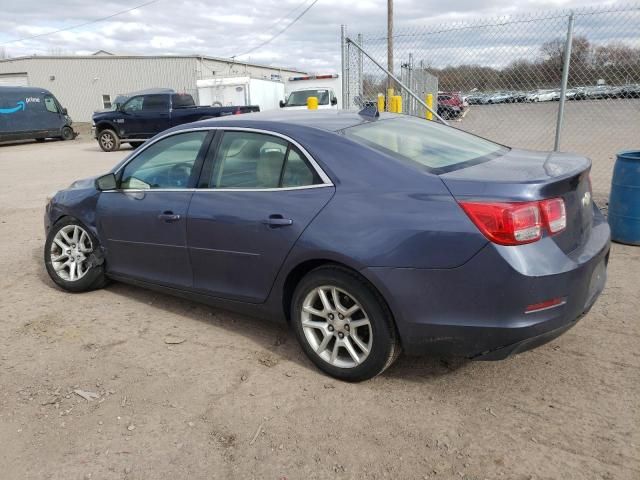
(368, 234)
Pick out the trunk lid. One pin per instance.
(523, 175)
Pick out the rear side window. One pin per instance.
(428, 144)
(248, 160)
(156, 103)
(182, 100)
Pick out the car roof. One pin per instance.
(330, 119)
(24, 90)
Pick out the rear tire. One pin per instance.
(135, 144)
(73, 258)
(108, 140)
(348, 331)
(67, 133)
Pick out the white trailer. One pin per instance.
(327, 88)
(243, 91)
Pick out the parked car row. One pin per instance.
(546, 95)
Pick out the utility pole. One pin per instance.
(390, 41)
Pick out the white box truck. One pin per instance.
(327, 88)
(243, 91)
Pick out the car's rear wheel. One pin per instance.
(67, 133)
(343, 324)
(72, 257)
(108, 140)
(135, 144)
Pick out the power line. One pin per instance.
(279, 33)
(102, 19)
(286, 15)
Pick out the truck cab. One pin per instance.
(326, 88)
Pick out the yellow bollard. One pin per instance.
(429, 101)
(398, 103)
(390, 99)
(312, 103)
(380, 102)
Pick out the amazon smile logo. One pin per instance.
(19, 106)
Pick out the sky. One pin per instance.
(223, 28)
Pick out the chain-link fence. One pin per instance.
(502, 78)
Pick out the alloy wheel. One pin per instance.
(106, 140)
(336, 326)
(70, 252)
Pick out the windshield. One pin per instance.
(429, 144)
(299, 98)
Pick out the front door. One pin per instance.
(143, 222)
(262, 194)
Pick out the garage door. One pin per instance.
(14, 80)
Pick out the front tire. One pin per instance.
(343, 324)
(108, 140)
(135, 145)
(67, 133)
(73, 257)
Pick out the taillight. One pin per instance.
(555, 214)
(507, 223)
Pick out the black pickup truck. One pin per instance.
(143, 115)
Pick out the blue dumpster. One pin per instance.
(624, 202)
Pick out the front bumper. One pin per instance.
(477, 310)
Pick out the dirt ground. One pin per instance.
(237, 399)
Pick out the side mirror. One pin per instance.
(64, 111)
(334, 101)
(106, 182)
(282, 103)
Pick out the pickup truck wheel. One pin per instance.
(108, 140)
(135, 144)
(67, 133)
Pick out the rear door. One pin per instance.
(144, 221)
(145, 115)
(262, 190)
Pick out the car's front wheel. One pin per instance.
(72, 257)
(108, 140)
(67, 133)
(343, 324)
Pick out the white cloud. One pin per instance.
(226, 28)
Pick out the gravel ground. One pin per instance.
(237, 398)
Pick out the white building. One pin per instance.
(84, 84)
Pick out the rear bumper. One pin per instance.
(477, 310)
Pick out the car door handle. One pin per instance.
(169, 217)
(275, 221)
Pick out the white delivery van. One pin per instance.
(326, 88)
(243, 91)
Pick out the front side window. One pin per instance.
(167, 163)
(133, 105)
(50, 104)
(428, 144)
(248, 160)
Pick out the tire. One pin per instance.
(324, 334)
(40, 140)
(83, 244)
(108, 140)
(135, 144)
(67, 133)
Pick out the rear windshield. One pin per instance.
(429, 144)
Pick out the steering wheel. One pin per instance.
(178, 175)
